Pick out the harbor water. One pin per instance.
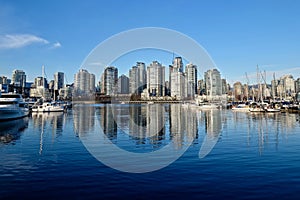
(225, 154)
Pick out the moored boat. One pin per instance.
(241, 107)
(12, 107)
(48, 107)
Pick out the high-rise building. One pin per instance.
(142, 76)
(137, 78)
(297, 85)
(224, 86)
(176, 79)
(274, 85)
(238, 91)
(84, 83)
(177, 83)
(123, 84)
(201, 87)
(110, 80)
(191, 79)
(19, 78)
(92, 82)
(3, 80)
(58, 80)
(178, 64)
(156, 79)
(213, 83)
(40, 82)
(134, 80)
(286, 86)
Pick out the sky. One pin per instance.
(238, 35)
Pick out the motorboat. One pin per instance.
(208, 106)
(272, 110)
(12, 106)
(241, 107)
(48, 107)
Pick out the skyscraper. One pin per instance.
(84, 83)
(123, 84)
(156, 79)
(177, 79)
(178, 64)
(213, 83)
(110, 80)
(191, 79)
(58, 80)
(297, 85)
(18, 78)
(137, 78)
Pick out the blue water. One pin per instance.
(252, 155)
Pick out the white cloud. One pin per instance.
(19, 40)
(56, 45)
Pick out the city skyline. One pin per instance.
(240, 36)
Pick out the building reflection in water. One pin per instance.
(154, 124)
(213, 128)
(10, 131)
(107, 121)
(183, 125)
(83, 119)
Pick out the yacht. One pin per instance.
(208, 106)
(12, 106)
(48, 107)
(241, 107)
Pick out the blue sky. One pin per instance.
(238, 35)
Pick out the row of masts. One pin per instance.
(260, 76)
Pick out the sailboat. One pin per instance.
(43, 106)
(258, 106)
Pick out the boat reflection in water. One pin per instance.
(48, 122)
(11, 131)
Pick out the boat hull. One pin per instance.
(7, 114)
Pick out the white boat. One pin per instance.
(12, 106)
(241, 107)
(273, 110)
(208, 106)
(150, 102)
(48, 107)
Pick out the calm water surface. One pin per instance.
(232, 155)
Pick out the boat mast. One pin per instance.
(247, 86)
(43, 74)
